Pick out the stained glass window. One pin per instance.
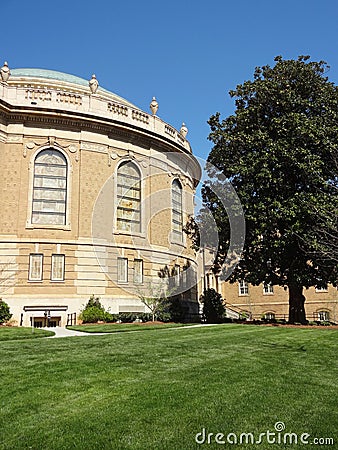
(35, 267)
(128, 197)
(122, 270)
(50, 188)
(58, 268)
(138, 271)
(177, 219)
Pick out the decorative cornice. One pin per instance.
(77, 121)
(51, 142)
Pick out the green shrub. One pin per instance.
(5, 314)
(127, 317)
(92, 315)
(213, 307)
(94, 302)
(176, 310)
(93, 311)
(145, 317)
(110, 318)
(281, 321)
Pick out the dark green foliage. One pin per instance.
(93, 311)
(128, 317)
(110, 318)
(94, 302)
(92, 315)
(5, 313)
(176, 309)
(213, 307)
(279, 151)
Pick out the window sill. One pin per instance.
(32, 226)
(129, 233)
(178, 242)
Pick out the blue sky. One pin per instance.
(188, 54)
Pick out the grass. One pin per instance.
(18, 333)
(155, 390)
(121, 327)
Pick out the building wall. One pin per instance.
(258, 304)
(93, 153)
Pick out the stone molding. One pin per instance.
(69, 98)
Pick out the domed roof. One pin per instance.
(61, 76)
(49, 74)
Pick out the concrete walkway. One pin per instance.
(65, 332)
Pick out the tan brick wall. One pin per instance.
(259, 303)
(10, 173)
(89, 169)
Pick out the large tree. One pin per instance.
(278, 150)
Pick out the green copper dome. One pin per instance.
(61, 76)
(50, 74)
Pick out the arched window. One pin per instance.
(128, 198)
(323, 316)
(269, 316)
(177, 218)
(50, 188)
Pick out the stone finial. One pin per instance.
(184, 130)
(154, 106)
(93, 84)
(5, 72)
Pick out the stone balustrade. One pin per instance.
(103, 104)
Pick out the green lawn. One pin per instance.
(157, 390)
(15, 333)
(121, 327)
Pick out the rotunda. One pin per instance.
(95, 196)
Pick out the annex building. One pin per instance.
(94, 195)
(272, 302)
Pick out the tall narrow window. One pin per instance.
(49, 188)
(35, 267)
(185, 277)
(243, 288)
(138, 271)
(177, 218)
(122, 270)
(58, 268)
(128, 197)
(177, 271)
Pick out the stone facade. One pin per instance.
(63, 145)
(262, 301)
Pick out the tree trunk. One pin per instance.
(296, 304)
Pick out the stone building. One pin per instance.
(272, 302)
(95, 193)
